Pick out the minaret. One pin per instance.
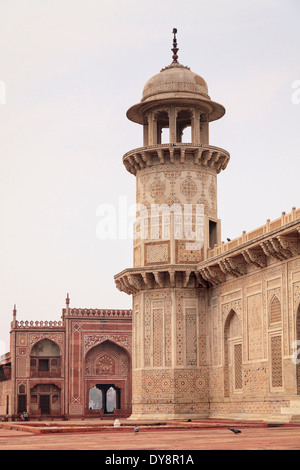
(177, 222)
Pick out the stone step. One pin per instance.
(292, 412)
(295, 419)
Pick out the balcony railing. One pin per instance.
(45, 373)
(285, 219)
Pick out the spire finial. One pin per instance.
(175, 48)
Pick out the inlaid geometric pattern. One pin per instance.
(147, 336)
(136, 347)
(137, 257)
(256, 379)
(158, 337)
(156, 341)
(191, 336)
(276, 356)
(275, 311)
(168, 334)
(156, 253)
(188, 252)
(157, 189)
(238, 366)
(172, 175)
(255, 327)
(212, 193)
(188, 188)
(159, 386)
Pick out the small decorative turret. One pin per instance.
(67, 300)
(14, 316)
(67, 309)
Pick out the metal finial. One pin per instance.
(175, 48)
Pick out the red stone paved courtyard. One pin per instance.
(176, 437)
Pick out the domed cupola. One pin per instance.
(176, 83)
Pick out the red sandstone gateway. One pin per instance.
(79, 367)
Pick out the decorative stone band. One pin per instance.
(175, 87)
(73, 312)
(85, 312)
(38, 324)
(280, 246)
(271, 225)
(200, 154)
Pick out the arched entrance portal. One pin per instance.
(108, 380)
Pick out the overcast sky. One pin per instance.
(70, 69)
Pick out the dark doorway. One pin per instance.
(213, 237)
(44, 365)
(45, 404)
(21, 403)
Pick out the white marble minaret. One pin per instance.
(177, 222)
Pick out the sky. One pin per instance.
(69, 70)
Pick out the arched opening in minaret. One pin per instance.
(187, 135)
(165, 136)
(162, 131)
(184, 126)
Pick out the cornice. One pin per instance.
(202, 155)
(280, 244)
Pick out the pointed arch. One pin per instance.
(108, 370)
(45, 347)
(275, 310)
(105, 359)
(161, 131)
(232, 353)
(45, 359)
(184, 120)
